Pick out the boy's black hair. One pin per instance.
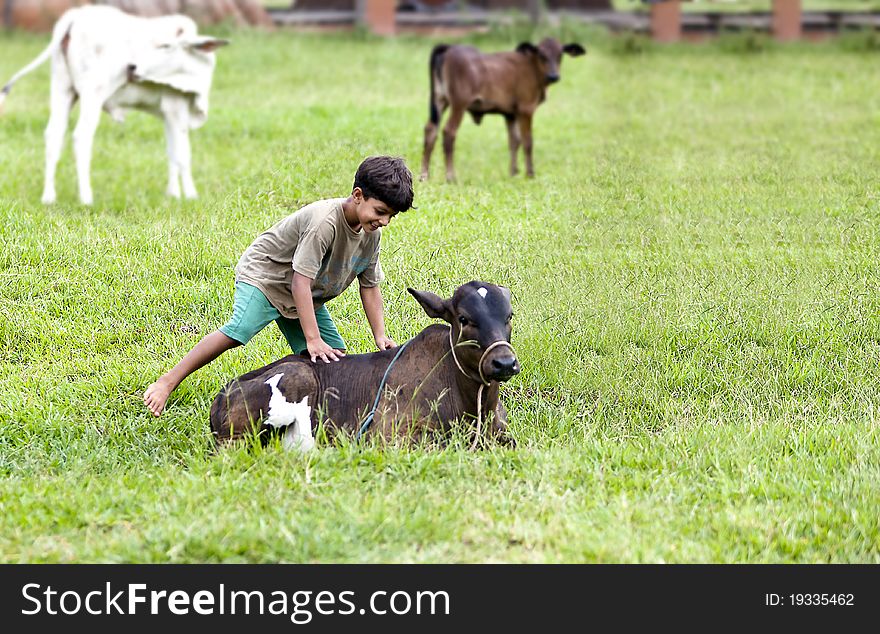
(386, 178)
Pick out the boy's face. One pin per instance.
(372, 213)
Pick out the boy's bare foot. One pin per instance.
(156, 395)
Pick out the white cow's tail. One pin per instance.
(61, 29)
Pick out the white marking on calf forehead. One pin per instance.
(482, 292)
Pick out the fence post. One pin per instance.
(666, 21)
(378, 15)
(534, 7)
(787, 20)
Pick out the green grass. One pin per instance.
(695, 277)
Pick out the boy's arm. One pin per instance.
(371, 298)
(305, 309)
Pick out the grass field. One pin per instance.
(695, 277)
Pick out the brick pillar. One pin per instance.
(787, 20)
(378, 15)
(666, 21)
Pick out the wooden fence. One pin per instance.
(665, 20)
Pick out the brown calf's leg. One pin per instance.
(438, 108)
(512, 143)
(430, 139)
(449, 132)
(525, 130)
(499, 427)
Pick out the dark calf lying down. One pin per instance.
(510, 83)
(441, 375)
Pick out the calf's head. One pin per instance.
(479, 317)
(171, 60)
(547, 56)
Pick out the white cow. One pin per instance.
(112, 60)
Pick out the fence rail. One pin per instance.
(665, 21)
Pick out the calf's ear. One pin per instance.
(206, 44)
(527, 48)
(574, 49)
(434, 305)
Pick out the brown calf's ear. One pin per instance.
(433, 305)
(574, 49)
(527, 48)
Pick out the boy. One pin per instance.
(289, 272)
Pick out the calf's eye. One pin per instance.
(463, 321)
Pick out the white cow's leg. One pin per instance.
(83, 139)
(175, 110)
(60, 102)
(173, 169)
(184, 157)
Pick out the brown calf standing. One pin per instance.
(444, 373)
(511, 83)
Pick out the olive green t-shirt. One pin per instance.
(317, 242)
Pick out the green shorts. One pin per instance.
(251, 312)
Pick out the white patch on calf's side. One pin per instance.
(482, 292)
(297, 417)
(299, 435)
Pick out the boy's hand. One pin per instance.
(319, 349)
(384, 343)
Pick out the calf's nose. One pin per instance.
(504, 367)
(552, 79)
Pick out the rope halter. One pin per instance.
(368, 419)
(483, 381)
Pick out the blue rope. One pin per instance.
(365, 425)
